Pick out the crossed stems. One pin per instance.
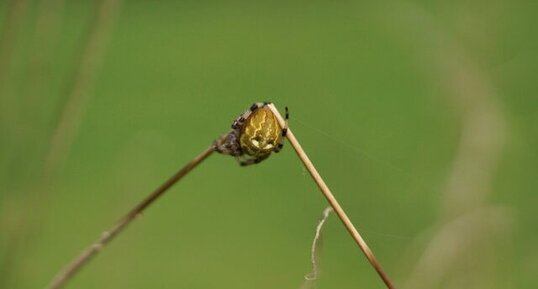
(86, 255)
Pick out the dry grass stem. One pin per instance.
(311, 277)
(333, 202)
(10, 32)
(74, 102)
(468, 224)
(13, 19)
(39, 88)
(316, 246)
(78, 91)
(70, 270)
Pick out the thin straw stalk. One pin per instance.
(85, 256)
(332, 201)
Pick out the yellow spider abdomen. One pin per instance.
(254, 136)
(260, 133)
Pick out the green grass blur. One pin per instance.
(380, 96)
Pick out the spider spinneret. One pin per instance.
(255, 135)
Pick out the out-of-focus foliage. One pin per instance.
(420, 115)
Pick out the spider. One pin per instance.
(255, 135)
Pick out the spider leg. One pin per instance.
(247, 162)
(240, 121)
(280, 143)
(252, 160)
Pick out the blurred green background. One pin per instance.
(420, 115)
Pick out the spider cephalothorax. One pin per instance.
(255, 135)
